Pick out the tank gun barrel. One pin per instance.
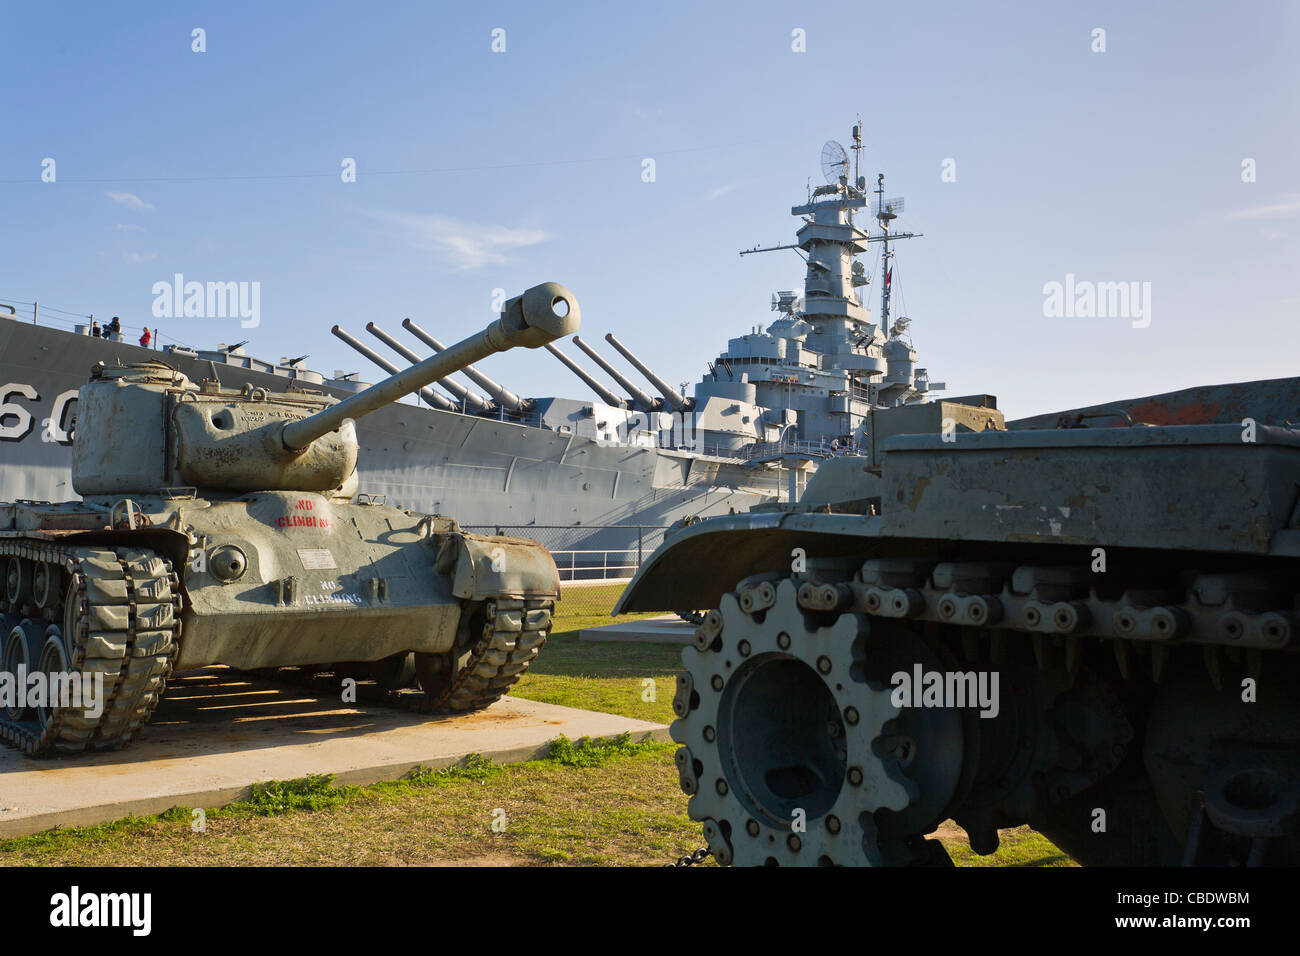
(430, 396)
(498, 392)
(604, 394)
(640, 398)
(473, 401)
(674, 398)
(542, 314)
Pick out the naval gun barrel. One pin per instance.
(428, 394)
(498, 392)
(673, 397)
(604, 394)
(640, 398)
(472, 400)
(542, 314)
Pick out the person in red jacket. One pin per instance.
(144, 339)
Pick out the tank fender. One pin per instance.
(733, 547)
(482, 566)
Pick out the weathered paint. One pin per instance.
(1191, 488)
(1274, 401)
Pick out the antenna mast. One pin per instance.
(886, 212)
(857, 153)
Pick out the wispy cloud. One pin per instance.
(1288, 207)
(719, 191)
(129, 200)
(125, 227)
(133, 258)
(465, 245)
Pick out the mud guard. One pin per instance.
(733, 547)
(487, 566)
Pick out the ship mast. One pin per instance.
(886, 212)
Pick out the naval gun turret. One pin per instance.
(220, 526)
(640, 399)
(675, 399)
(500, 394)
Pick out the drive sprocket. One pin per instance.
(781, 730)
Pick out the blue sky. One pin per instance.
(481, 170)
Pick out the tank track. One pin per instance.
(1105, 678)
(117, 613)
(514, 633)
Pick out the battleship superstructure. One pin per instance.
(824, 364)
(770, 407)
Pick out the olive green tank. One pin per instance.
(221, 526)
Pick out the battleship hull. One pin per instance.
(482, 471)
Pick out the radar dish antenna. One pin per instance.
(835, 162)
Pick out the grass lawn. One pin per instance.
(614, 803)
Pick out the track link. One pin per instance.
(119, 616)
(512, 637)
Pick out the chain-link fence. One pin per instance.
(595, 561)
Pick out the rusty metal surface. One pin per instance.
(1194, 487)
(1273, 401)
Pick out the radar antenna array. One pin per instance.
(889, 208)
(835, 162)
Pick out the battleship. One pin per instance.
(773, 405)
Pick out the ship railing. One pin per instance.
(814, 449)
(79, 324)
(618, 564)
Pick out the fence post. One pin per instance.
(639, 532)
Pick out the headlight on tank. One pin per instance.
(227, 562)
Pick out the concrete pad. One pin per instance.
(668, 629)
(217, 733)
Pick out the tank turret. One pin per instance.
(254, 440)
